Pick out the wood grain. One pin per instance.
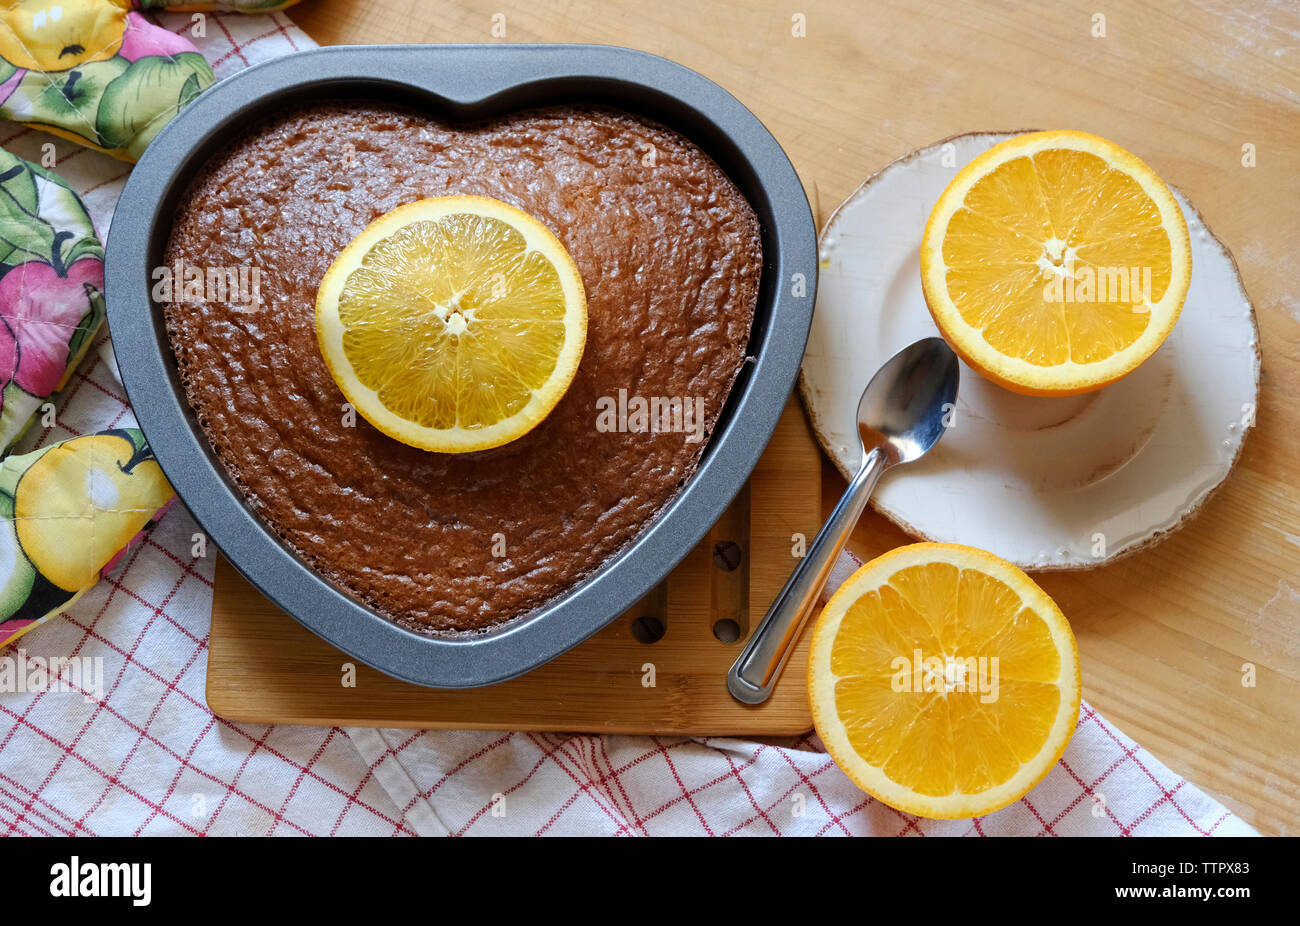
(1186, 85)
(265, 667)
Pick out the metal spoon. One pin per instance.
(902, 413)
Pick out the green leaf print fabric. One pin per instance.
(95, 71)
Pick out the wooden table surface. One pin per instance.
(1166, 636)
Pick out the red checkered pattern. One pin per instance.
(542, 783)
(146, 756)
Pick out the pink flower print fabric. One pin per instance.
(51, 290)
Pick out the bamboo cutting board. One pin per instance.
(264, 667)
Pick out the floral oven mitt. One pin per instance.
(68, 510)
(97, 72)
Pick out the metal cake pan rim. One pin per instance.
(440, 73)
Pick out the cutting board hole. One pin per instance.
(727, 555)
(648, 629)
(727, 630)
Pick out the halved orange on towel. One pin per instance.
(1056, 262)
(453, 324)
(943, 680)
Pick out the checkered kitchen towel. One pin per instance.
(129, 747)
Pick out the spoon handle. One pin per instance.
(759, 664)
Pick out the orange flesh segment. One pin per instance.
(1036, 217)
(454, 323)
(938, 742)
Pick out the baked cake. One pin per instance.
(670, 255)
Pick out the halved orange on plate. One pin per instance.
(1056, 262)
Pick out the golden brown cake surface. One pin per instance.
(669, 253)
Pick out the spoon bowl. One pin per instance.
(910, 401)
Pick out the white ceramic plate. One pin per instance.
(1048, 483)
